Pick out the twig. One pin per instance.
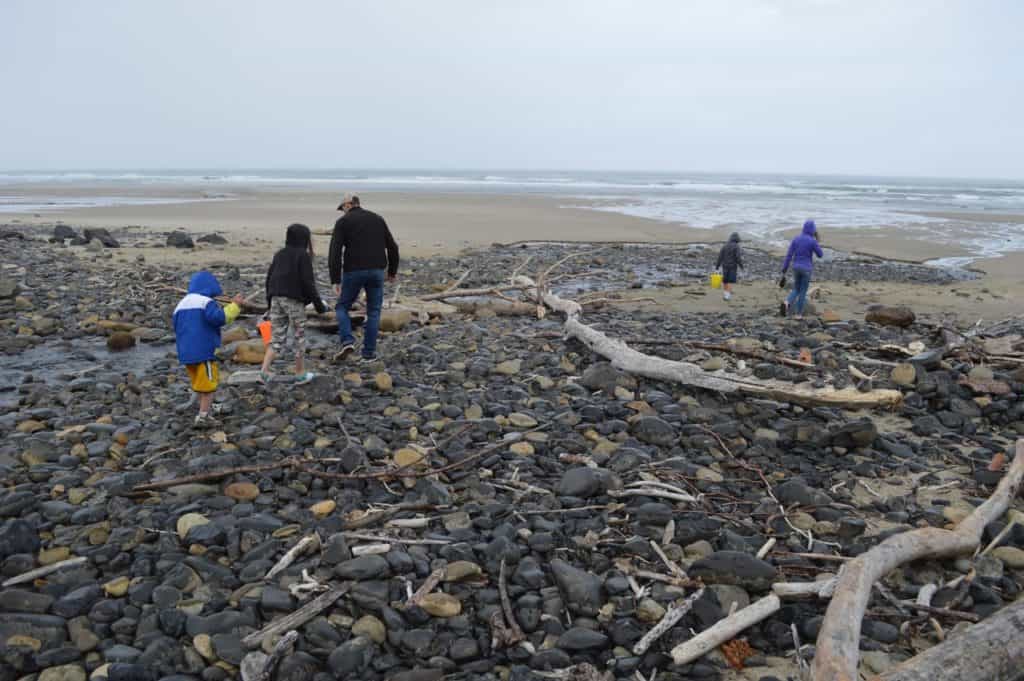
(287, 559)
(506, 607)
(431, 582)
(43, 571)
(285, 642)
(668, 620)
(297, 618)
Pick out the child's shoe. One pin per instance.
(303, 379)
(204, 421)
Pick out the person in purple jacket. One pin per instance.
(802, 250)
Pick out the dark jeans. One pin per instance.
(351, 284)
(798, 297)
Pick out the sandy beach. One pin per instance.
(425, 224)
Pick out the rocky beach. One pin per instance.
(491, 501)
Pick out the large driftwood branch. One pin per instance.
(471, 292)
(637, 363)
(993, 649)
(838, 652)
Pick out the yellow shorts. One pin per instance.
(204, 375)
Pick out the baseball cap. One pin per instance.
(348, 198)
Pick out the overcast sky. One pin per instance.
(913, 87)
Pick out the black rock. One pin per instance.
(363, 567)
(18, 536)
(796, 491)
(216, 239)
(77, 602)
(101, 235)
(654, 431)
(734, 567)
(22, 600)
(853, 435)
(62, 232)
(583, 482)
(579, 638)
(180, 240)
(583, 591)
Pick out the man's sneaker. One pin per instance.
(346, 351)
(305, 378)
(204, 421)
(218, 408)
(368, 360)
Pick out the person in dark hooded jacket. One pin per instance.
(291, 285)
(730, 259)
(802, 250)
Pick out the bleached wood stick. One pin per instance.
(768, 546)
(370, 549)
(821, 589)
(924, 596)
(429, 584)
(838, 647)
(298, 618)
(999, 537)
(986, 651)
(724, 630)
(667, 621)
(280, 648)
(43, 571)
(287, 559)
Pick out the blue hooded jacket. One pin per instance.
(198, 318)
(802, 249)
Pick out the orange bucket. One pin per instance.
(264, 328)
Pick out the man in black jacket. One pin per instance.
(362, 250)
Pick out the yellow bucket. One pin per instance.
(716, 280)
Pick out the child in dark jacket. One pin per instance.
(197, 323)
(730, 259)
(291, 286)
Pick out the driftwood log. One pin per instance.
(993, 649)
(838, 642)
(637, 363)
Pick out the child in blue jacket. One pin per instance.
(197, 322)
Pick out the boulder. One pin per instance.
(102, 236)
(215, 239)
(249, 352)
(734, 567)
(394, 320)
(9, 288)
(180, 240)
(118, 341)
(887, 315)
(63, 232)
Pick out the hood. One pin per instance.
(809, 228)
(734, 237)
(297, 236)
(205, 284)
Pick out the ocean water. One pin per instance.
(982, 216)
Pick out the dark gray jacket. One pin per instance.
(730, 256)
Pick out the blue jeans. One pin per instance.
(798, 296)
(351, 284)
